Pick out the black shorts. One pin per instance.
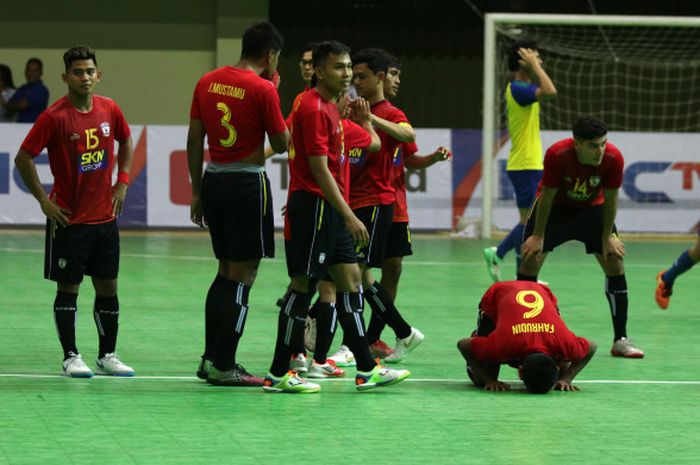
(81, 249)
(584, 224)
(399, 242)
(238, 211)
(377, 220)
(316, 236)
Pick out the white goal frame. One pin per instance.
(492, 20)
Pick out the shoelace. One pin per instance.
(242, 370)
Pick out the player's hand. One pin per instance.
(442, 154)
(118, 196)
(358, 231)
(54, 212)
(532, 247)
(563, 385)
(361, 112)
(497, 386)
(196, 212)
(613, 246)
(276, 79)
(529, 58)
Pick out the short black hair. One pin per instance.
(37, 61)
(308, 48)
(79, 52)
(394, 62)
(261, 38)
(587, 127)
(328, 47)
(513, 55)
(376, 59)
(540, 372)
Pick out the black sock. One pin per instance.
(231, 322)
(375, 326)
(349, 306)
(616, 292)
(525, 277)
(106, 314)
(65, 307)
(290, 330)
(381, 302)
(326, 322)
(216, 299)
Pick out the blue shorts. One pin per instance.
(525, 184)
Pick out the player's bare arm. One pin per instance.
(481, 374)
(567, 376)
(611, 243)
(324, 178)
(279, 142)
(402, 132)
(195, 158)
(416, 161)
(125, 155)
(27, 169)
(362, 115)
(531, 61)
(535, 243)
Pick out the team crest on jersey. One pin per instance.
(104, 127)
(594, 181)
(75, 136)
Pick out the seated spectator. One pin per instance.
(33, 97)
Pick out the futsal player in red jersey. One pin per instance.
(577, 200)
(398, 243)
(233, 107)
(320, 228)
(519, 324)
(82, 237)
(372, 194)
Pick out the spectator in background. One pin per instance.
(7, 89)
(33, 97)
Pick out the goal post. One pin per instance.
(639, 73)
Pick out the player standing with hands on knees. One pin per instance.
(577, 200)
(82, 237)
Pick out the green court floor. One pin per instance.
(628, 411)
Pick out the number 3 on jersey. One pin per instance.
(532, 300)
(225, 122)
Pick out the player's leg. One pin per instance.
(320, 329)
(242, 232)
(666, 278)
(525, 186)
(103, 267)
(306, 242)
(350, 307)
(66, 250)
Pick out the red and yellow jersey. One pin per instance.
(356, 139)
(526, 321)
(316, 131)
(237, 107)
(295, 105)
(577, 184)
(81, 155)
(372, 173)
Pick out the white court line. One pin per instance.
(331, 380)
(409, 262)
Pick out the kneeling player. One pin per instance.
(519, 324)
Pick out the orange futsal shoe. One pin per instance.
(663, 292)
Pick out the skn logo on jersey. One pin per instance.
(93, 160)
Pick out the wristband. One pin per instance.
(123, 177)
